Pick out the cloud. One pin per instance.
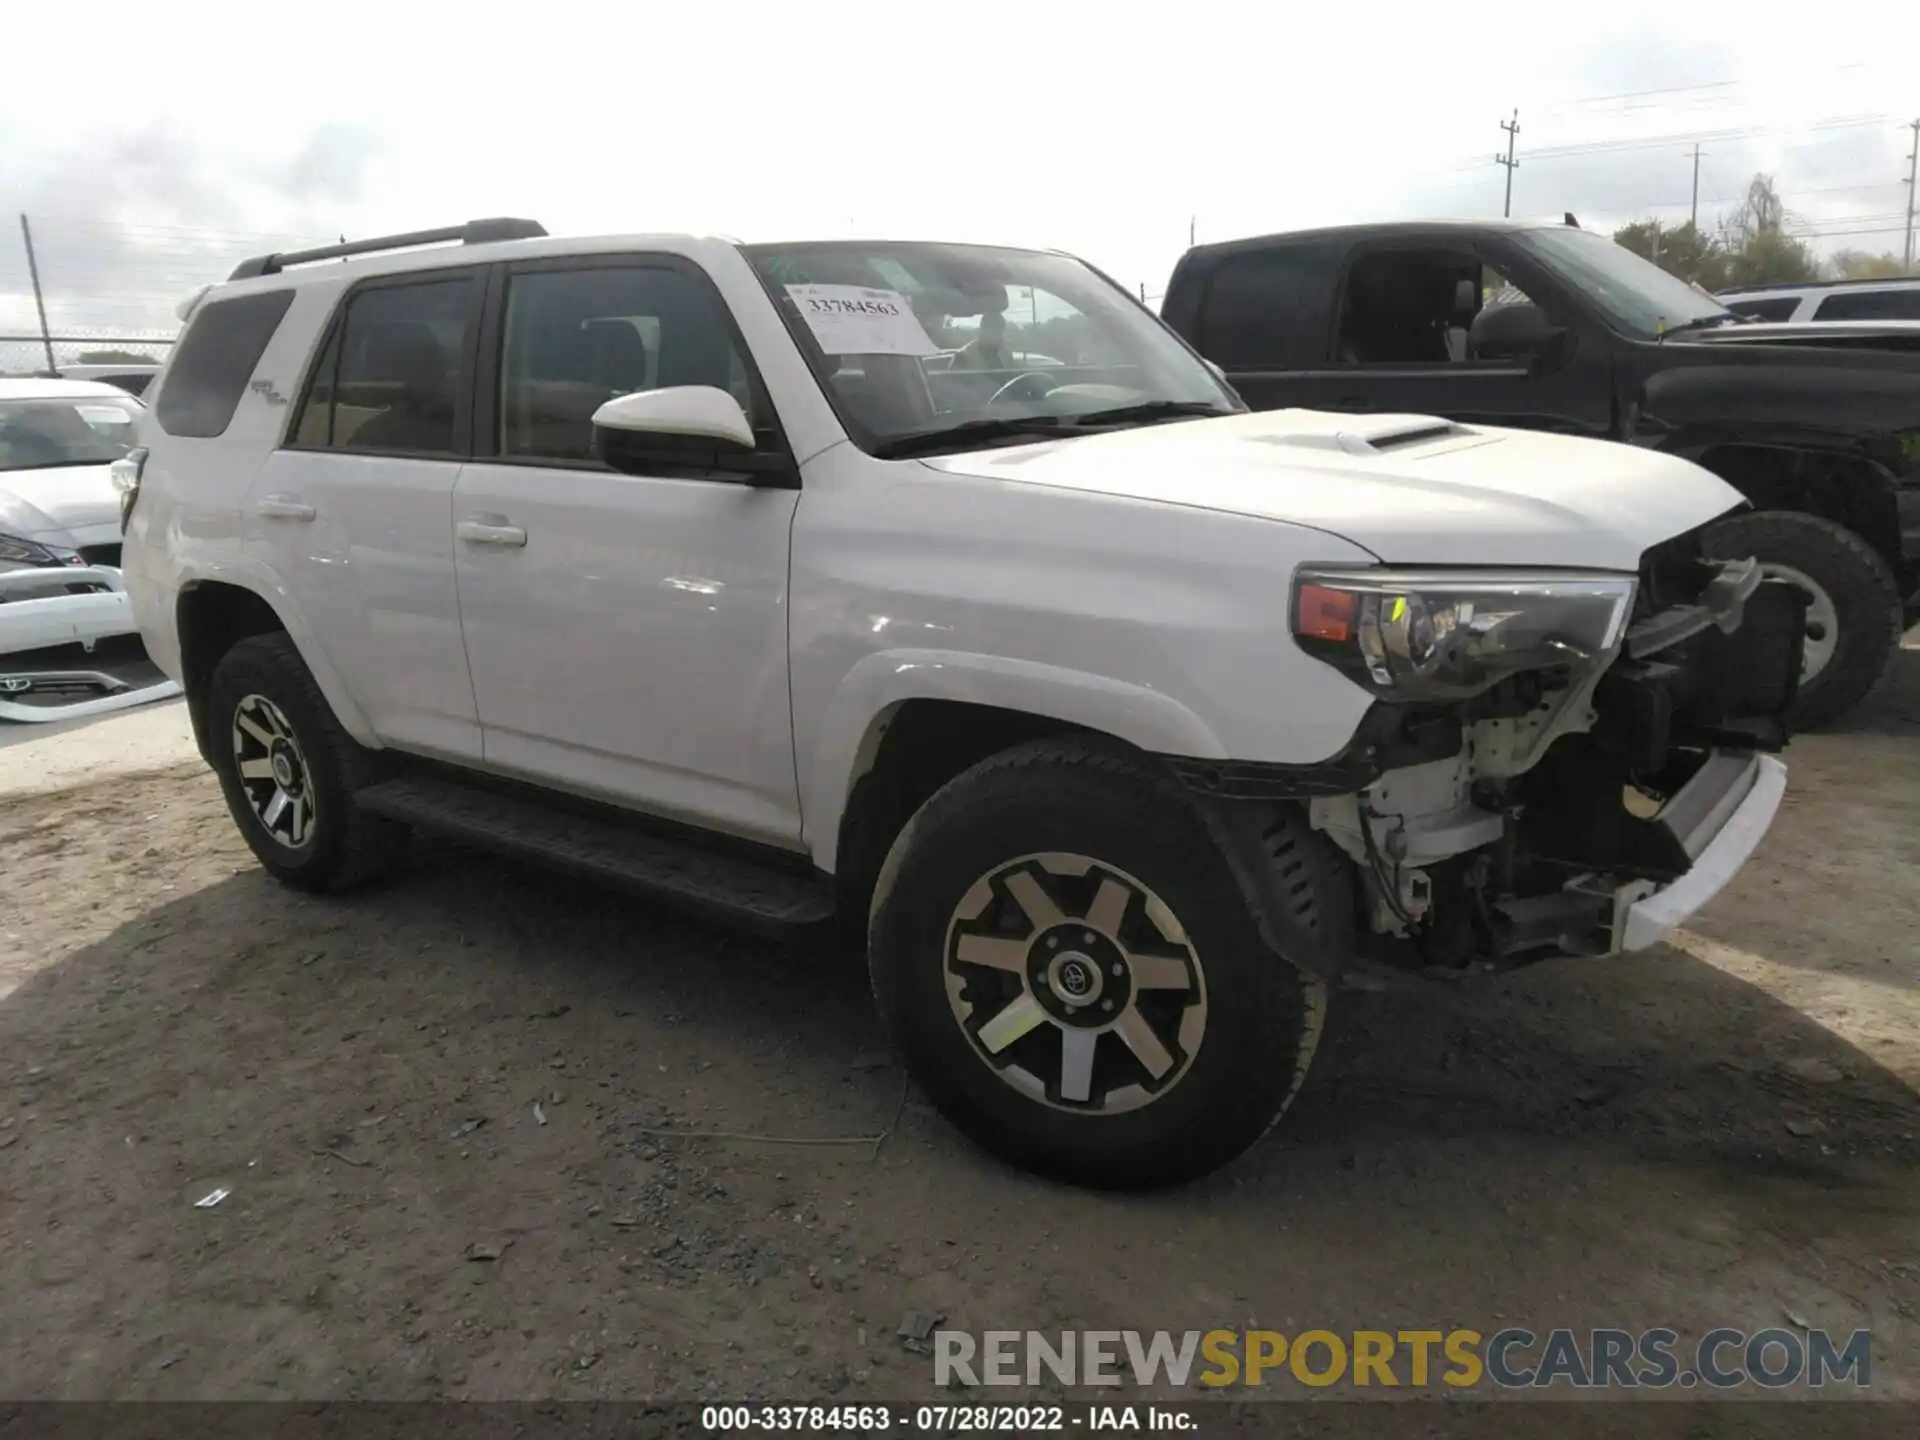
(330, 168)
(128, 222)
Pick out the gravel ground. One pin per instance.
(460, 1119)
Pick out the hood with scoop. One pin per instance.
(1413, 489)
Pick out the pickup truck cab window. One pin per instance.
(1419, 307)
(1265, 309)
(977, 344)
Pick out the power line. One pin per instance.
(1691, 89)
(1672, 141)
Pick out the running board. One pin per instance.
(760, 898)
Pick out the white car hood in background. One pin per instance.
(1467, 496)
(61, 498)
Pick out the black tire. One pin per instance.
(1865, 596)
(344, 846)
(1094, 799)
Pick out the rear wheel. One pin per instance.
(289, 771)
(1071, 974)
(1853, 602)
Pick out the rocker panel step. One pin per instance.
(760, 898)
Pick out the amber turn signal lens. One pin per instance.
(1325, 614)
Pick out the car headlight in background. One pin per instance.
(1452, 634)
(16, 550)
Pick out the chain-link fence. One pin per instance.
(109, 288)
(24, 353)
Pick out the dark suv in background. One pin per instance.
(1556, 328)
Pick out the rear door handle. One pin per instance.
(283, 507)
(492, 531)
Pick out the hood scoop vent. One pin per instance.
(1371, 435)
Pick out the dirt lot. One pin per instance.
(1722, 1132)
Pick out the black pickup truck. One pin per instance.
(1557, 328)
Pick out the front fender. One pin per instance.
(875, 687)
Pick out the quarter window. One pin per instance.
(209, 374)
(393, 372)
(575, 339)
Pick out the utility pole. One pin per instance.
(1913, 175)
(1694, 218)
(33, 273)
(1512, 127)
(1192, 222)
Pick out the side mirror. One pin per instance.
(695, 430)
(698, 417)
(1218, 373)
(1515, 332)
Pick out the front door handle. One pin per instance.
(492, 531)
(283, 507)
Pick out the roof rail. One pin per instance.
(474, 232)
(1857, 280)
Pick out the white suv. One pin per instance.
(1111, 718)
(1889, 299)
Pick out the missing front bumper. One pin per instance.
(1711, 826)
(1723, 832)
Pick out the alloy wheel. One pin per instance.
(1075, 983)
(273, 771)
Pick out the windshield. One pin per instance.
(1636, 294)
(919, 339)
(89, 430)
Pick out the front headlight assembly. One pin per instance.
(1419, 635)
(17, 551)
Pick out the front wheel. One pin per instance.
(1853, 602)
(1070, 972)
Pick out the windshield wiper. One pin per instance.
(969, 432)
(1046, 427)
(1148, 412)
(1707, 322)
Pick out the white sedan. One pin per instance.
(68, 645)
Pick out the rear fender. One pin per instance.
(262, 582)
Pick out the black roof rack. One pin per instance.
(474, 232)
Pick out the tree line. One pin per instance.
(1752, 246)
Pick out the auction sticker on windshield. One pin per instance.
(854, 320)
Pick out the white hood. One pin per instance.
(62, 499)
(1412, 489)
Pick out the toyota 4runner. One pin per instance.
(1111, 718)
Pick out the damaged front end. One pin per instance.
(1552, 776)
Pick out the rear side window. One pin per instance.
(1777, 307)
(208, 376)
(394, 372)
(1267, 310)
(1871, 305)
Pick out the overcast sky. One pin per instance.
(154, 144)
